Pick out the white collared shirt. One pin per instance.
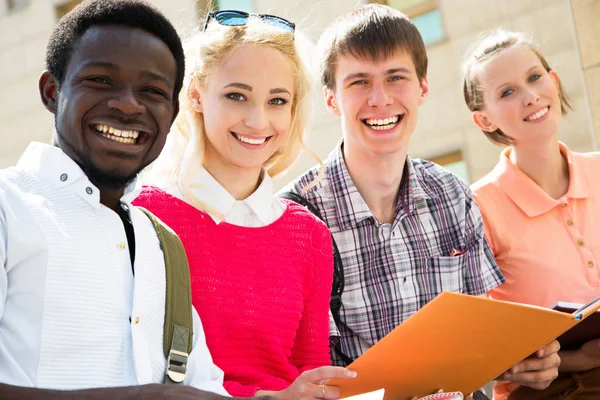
(72, 315)
(259, 209)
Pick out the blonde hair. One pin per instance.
(204, 52)
(487, 47)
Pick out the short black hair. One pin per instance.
(130, 13)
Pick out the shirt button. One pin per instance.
(137, 320)
(591, 264)
(89, 190)
(564, 204)
(580, 243)
(64, 177)
(122, 245)
(570, 222)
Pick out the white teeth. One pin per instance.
(373, 122)
(113, 133)
(538, 114)
(248, 140)
(119, 139)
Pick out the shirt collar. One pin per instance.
(52, 164)
(351, 208)
(527, 195)
(207, 189)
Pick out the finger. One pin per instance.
(550, 348)
(534, 379)
(551, 361)
(327, 373)
(325, 392)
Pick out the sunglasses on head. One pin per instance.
(239, 18)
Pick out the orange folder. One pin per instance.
(457, 343)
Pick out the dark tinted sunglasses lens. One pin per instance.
(280, 23)
(231, 18)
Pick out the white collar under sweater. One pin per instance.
(259, 209)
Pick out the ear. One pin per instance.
(482, 121)
(48, 91)
(331, 101)
(424, 91)
(194, 97)
(554, 75)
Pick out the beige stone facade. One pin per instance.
(566, 29)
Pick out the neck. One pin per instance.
(377, 178)
(111, 197)
(239, 182)
(544, 164)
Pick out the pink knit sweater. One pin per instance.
(262, 293)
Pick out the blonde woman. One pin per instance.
(261, 267)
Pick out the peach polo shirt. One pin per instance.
(548, 249)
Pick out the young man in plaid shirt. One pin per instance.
(406, 229)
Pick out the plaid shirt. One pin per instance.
(436, 243)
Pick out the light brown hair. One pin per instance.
(371, 31)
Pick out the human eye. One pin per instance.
(156, 91)
(279, 101)
(534, 77)
(235, 96)
(358, 82)
(395, 78)
(506, 93)
(98, 79)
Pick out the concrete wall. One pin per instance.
(587, 22)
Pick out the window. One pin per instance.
(242, 5)
(424, 14)
(16, 5)
(455, 163)
(65, 7)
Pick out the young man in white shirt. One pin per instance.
(82, 283)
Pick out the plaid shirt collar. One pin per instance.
(351, 209)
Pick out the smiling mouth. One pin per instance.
(131, 137)
(538, 114)
(383, 124)
(249, 140)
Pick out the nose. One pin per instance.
(127, 102)
(379, 97)
(530, 97)
(257, 119)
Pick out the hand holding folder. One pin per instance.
(458, 343)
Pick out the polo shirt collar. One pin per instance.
(351, 209)
(54, 165)
(528, 196)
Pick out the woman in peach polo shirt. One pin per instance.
(541, 203)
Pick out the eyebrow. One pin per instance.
(112, 66)
(249, 88)
(390, 71)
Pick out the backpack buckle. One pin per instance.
(177, 365)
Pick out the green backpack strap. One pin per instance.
(178, 328)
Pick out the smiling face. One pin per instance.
(378, 102)
(247, 107)
(116, 104)
(520, 97)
